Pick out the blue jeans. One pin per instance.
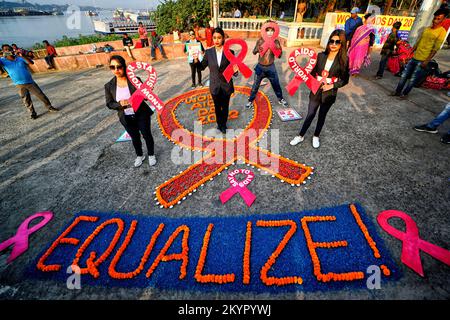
(270, 73)
(153, 51)
(444, 115)
(413, 72)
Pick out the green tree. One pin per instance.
(181, 14)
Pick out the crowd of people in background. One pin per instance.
(347, 52)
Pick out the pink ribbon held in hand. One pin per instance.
(144, 90)
(20, 240)
(412, 244)
(236, 60)
(302, 74)
(239, 187)
(269, 42)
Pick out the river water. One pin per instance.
(26, 31)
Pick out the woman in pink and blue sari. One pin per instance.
(361, 45)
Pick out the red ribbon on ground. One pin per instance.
(144, 90)
(20, 240)
(412, 244)
(269, 42)
(302, 74)
(239, 187)
(236, 60)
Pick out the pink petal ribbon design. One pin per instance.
(412, 244)
(302, 74)
(20, 240)
(239, 187)
(236, 60)
(144, 90)
(269, 42)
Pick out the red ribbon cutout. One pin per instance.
(325, 75)
(228, 73)
(239, 187)
(269, 42)
(412, 244)
(144, 90)
(20, 240)
(303, 74)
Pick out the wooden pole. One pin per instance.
(295, 12)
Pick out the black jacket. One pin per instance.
(111, 103)
(216, 79)
(336, 70)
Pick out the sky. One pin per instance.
(125, 4)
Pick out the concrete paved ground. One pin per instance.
(69, 161)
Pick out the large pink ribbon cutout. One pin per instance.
(412, 244)
(269, 42)
(239, 187)
(236, 60)
(302, 74)
(20, 240)
(144, 90)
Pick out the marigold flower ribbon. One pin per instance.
(412, 244)
(144, 90)
(239, 187)
(236, 60)
(269, 42)
(20, 240)
(302, 74)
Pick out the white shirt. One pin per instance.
(237, 14)
(219, 56)
(328, 65)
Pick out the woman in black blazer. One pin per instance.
(117, 93)
(332, 64)
(220, 89)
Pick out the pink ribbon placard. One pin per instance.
(412, 244)
(239, 187)
(144, 90)
(269, 42)
(20, 240)
(303, 74)
(236, 60)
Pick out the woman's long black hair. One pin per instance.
(342, 54)
(220, 31)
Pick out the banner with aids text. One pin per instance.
(383, 26)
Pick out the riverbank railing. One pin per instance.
(294, 33)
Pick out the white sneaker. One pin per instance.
(151, 160)
(315, 142)
(138, 161)
(296, 140)
(283, 103)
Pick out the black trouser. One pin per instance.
(315, 101)
(144, 43)
(382, 66)
(221, 104)
(135, 125)
(50, 61)
(196, 66)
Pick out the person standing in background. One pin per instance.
(195, 51)
(388, 48)
(352, 24)
(17, 68)
(142, 30)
